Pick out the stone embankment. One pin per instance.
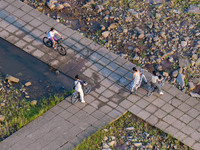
(155, 34)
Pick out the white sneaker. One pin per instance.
(82, 101)
(161, 93)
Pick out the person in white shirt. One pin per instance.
(78, 88)
(154, 82)
(136, 79)
(51, 36)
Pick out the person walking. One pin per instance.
(78, 88)
(136, 80)
(154, 82)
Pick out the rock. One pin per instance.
(112, 26)
(33, 102)
(191, 85)
(2, 118)
(136, 57)
(105, 138)
(130, 48)
(12, 79)
(155, 1)
(183, 62)
(112, 143)
(105, 145)
(51, 4)
(130, 128)
(162, 34)
(123, 55)
(175, 73)
(27, 96)
(125, 31)
(165, 74)
(158, 15)
(133, 12)
(149, 146)
(183, 43)
(27, 84)
(171, 59)
(112, 138)
(3, 104)
(194, 95)
(105, 34)
(176, 11)
(194, 56)
(100, 8)
(59, 7)
(137, 144)
(102, 27)
(159, 67)
(193, 9)
(105, 130)
(158, 60)
(197, 62)
(40, 8)
(141, 36)
(129, 19)
(180, 80)
(66, 4)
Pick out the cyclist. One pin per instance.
(51, 36)
(78, 87)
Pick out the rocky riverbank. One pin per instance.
(154, 34)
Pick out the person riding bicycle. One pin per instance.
(136, 80)
(155, 82)
(51, 36)
(78, 87)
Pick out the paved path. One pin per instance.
(66, 125)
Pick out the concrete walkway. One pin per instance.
(66, 125)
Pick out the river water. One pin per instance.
(15, 62)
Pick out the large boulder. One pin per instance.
(105, 34)
(180, 80)
(51, 4)
(59, 6)
(66, 4)
(112, 26)
(12, 79)
(183, 62)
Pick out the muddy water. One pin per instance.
(15, 62)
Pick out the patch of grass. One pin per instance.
(142, 132)
(18, 111)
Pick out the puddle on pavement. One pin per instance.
(15, 62)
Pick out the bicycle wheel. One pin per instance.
(47, 42)
(61, 50)
(87, 89)
(74, 97)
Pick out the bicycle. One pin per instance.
(86, 90)
(152, 88)
(61, 50)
